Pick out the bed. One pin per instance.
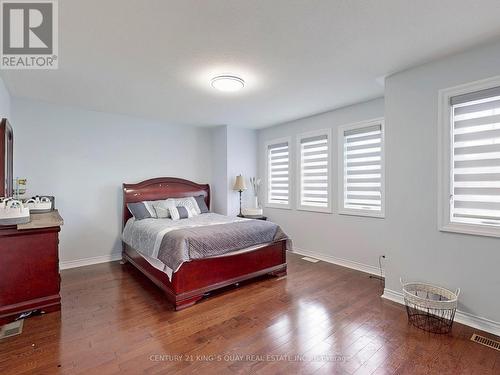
(196, 277)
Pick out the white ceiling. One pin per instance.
(155, 58)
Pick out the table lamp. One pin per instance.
(240, 186)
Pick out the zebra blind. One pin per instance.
(314, 170)
(362, 148)
(278, 179)
(475, 174)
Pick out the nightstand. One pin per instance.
(255, 217)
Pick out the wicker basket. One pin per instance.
(429, 307)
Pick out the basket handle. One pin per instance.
(401, 280)
(457, 292)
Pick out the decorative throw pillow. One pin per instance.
(202, 206)
(139, 210)
(162, 212)
(183, 212)
(172, 209)
(190, 204)
(152, 205)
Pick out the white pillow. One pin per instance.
(195, 204)
(162, 212)
(152, 208)
(172, 209)
(190, 203)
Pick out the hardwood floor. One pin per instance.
(321, 319)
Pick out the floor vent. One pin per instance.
(11, 329)
(312, 260)
(486, 341)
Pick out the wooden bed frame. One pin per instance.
(196, 278)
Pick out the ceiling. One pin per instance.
(155, 58)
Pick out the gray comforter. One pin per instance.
(175, 242)
(182, 245)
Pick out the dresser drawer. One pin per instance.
(29, 266)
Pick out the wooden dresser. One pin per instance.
(29, 266)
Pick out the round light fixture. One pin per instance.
(227, 83)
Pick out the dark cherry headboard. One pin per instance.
(161, 188)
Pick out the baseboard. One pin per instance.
(89, 261)
(339, 261)
(462, 317)
(393, 296)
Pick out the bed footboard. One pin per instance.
(196, 278)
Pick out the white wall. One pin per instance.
(83, 157)
(4, 101)
(218, 185)
(242, 159)
(234, 153)
(357, 239)
(416, 249)
(409, 235)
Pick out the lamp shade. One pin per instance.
(239, 184)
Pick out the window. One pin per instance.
(361, 169)
(278, 173)
(470, 185)
(314, 171)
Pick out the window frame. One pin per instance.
(299, 137)
(341, 188)
(445, 171)
(290, 175)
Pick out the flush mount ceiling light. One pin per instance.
(227, 83)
